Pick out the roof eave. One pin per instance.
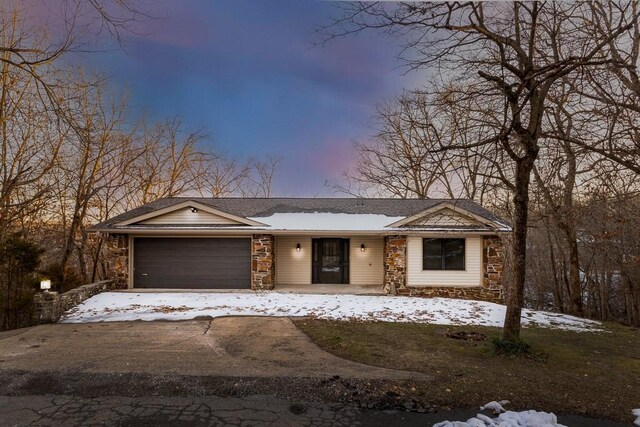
(253, 230)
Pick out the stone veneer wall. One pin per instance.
(492, 288)
(493, 264)
(117, 254)
(395, 264)
(263, 262)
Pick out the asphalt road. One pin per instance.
(205, 411)
(233, 371)
(256, 410)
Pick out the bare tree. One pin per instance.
(31, 138)
(225, 177)
(559, 170)
(398, 160)
(404, 159)
(171, 163)
(258, 181)
(36, 88)
(69, 157)
(30, 47)
(511, 55)
(610, 242)
(613, 88)
(96, 122)
(111, 195)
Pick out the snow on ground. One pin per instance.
(506, 418)
(121, 306)
(636, 413)
(529, 418)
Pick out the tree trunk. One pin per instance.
(515, 294)
(557, 290)
(82, 262)
(96, 259)
(577, 305)
(69, 245)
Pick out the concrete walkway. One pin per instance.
(232, 346)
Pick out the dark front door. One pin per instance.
(191, 263)
(330, 261)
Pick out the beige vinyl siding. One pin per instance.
(185, 216)
(471, 276)
(293, 267)
(366, 268)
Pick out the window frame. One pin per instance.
(442, 241)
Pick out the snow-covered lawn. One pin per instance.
(120, 306)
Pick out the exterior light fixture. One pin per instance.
(298, 247)
(45, 285)
(362, 247)
(194, 210)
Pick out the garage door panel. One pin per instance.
(190, 263)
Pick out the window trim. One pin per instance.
(443, 256)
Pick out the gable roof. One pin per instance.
(187, 204)
(446, 206)
(255, 212)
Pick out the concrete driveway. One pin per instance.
(232, 346)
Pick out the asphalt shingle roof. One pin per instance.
(264, 207)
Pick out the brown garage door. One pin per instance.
(192, 263)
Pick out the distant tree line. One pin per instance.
(71, 156)
(531, 108)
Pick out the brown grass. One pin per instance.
(592, 374)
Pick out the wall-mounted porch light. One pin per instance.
(362, 247)
(45, 285)
(194, 210)
(298, 247)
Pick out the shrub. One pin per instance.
(513, 348)
(19, 260)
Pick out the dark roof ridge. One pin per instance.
(314, 198)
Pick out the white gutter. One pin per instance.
(199, 231)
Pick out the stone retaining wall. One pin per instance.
(49, 306)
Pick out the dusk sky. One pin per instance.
(248, 72)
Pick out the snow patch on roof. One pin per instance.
(318, 221)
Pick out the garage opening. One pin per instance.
(192, 263)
